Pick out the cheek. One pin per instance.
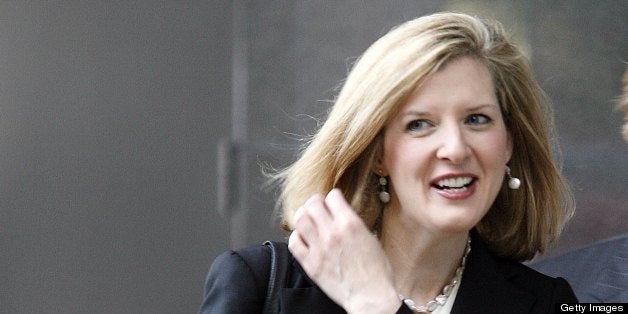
(399, 156)
(497, 149)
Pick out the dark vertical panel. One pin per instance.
(270, 39)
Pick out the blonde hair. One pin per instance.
(343, 152)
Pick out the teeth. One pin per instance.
(454, 183)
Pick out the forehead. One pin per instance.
(463, 81)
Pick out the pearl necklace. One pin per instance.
(441, 298)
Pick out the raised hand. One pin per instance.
(338, 252)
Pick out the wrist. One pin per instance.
(387, 303)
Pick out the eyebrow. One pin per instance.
(481, 106)
(413, 112)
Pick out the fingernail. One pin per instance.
(334, 193)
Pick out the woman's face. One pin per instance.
(446, 150)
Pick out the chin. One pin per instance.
(457, 226)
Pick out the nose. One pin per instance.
(453, 145)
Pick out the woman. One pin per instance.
(422, 211)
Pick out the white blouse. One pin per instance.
(446, 308)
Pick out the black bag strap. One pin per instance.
(279, 257)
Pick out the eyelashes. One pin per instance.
(478, 119)
(418, 125)
(422, 125)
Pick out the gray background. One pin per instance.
(132, 132)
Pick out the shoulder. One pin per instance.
(541, 285)
(524, 278)
(519, 288)
(547, 290)
(237, 281)
(255, 260)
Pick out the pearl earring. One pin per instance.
(513, 183)
(384, 196)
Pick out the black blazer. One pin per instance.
(237, 282)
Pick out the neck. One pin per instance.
(423, 262)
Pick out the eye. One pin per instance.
(417, 125)
(478, 119)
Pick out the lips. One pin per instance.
(454, 186)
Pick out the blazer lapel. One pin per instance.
(486, 288)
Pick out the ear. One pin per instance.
(379, 169)
(377, 156)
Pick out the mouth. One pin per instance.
(454, 184)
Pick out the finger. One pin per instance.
(297, 246)
(307, 230)
(337, 204)
(318, 212)
(297, 215)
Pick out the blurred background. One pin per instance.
(132, 133)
